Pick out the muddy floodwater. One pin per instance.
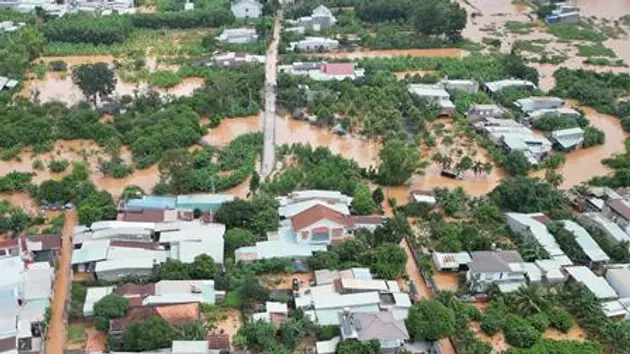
(391, 53)
(58, 86)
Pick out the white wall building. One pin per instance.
(246, 9)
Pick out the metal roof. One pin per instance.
(92, 296)
(619, 279)
(586, 242)
(596, 284)
(91, 251)
(204, 199)
(607, 226)
(495, 86)
(538, 231)
(152, 202)
(134, 263)
(331, 301)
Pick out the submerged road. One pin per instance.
(58, 325)
(269, 115)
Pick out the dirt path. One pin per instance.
(57, 329)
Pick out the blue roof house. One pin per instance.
(203, 202)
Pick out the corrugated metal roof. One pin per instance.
(152, 202)
(125, 263)
(204, 199)
(586, 242)
(596, 284)
(334, 300)
(91, 251)
(92, 296)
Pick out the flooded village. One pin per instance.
(315, 177)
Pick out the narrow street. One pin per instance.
(269, 115)
(414, 275)
(57, 328)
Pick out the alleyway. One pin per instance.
(57, 328)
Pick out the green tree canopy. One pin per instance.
(94, 80)
(152, 334)
(398, 163)
(430, 320)
(362, 202)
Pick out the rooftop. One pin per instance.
(316, 213)
(493, 261)
(373, 326)
(621, 207)
(538, 230)
(496, 86)
(596, 284)
(586, 242)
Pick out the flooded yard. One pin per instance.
(446, 281)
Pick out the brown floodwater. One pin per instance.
(291, 131)
(612, 9)
(584, 164)
(391, 53)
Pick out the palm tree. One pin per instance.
(528, 300)
(477, 167)
(553, 177)
(487, 168)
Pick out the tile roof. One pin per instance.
(136, 289)
(218, 341)
(8, 243)
(47, 241)
(367, 220)
(316, 213)
(338, 68)
(150, 215)
(7, 344)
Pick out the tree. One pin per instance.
(388, 261)
(465, 164)
(531, 195)
(560, 319)
(398, 163)
(259, 336)
(195, 330)
(528, 300)
(203, 267)
(172, 269)
(430, 320)
(110, 307)
(236, 238)
(439, 17)
(519, 333)
(516, 163)
(393, 230)
(378, 197)
(554, 178)
(94, 80)
(362, 202)
(358, 347)
(254, 182)
(88, 214)
(152, 334)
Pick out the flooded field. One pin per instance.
(58, 86)
(390, 53)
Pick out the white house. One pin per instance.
(238, 35)
(315, 44)
(534, 227)
(246, 9)
(496, 86)
(495, 267)
(434, 94)
(321, 18)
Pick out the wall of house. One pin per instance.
(305, 235)
(114, 275)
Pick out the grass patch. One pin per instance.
(77, 293)
(519, 27)
(76, 332)
(528, 46)
(233, 299)
(550, 59)
(595, 50)
(165, 79)
(576, 32)
(605, 62)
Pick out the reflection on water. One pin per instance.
(390, 53)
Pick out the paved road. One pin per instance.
(269, 115)
(57, 328)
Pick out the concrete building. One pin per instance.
(246, 9)
(454, 262)
(391, 333)
(320, 19)
(314, 44)
(434, 94)
(232, 59)
(238, 35)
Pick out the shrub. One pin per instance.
(57, 166)
(539, 321)
(519, 333)
(58, 65)
(560, 319)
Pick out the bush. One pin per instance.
(430, 320)
(57, 166)
(493, 318)
(184, 19)
(539, 321)
(58, 65)
(323, 333)
(519, 333)
(87, 29)
(560, 319)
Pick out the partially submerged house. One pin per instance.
(314, 44)
(238, 35)
(494, 87)
(434, 94)
(564, 13)
(534, 103)
(420, 196)
(567, 139)
(517, 137)
(478, 112)
(246, 9)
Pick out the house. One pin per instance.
(290, 210)
(563, 112)
(42, 247)
(94, 295)
(184, 291)
(517, 137)
(454, 262)
(189, 5)
(238, 35)
(567, 139)
(390, 332)
(564, 13)
(327, 276)
(494, 267)
(6, 83)
(618, 210)
(187, 240)
(419, 196)
(152, 202)
(331, 197)
(350, 286)
(534, 227)
(85, 258)
(246, 9)
(596, 284)
(233, 59)
(468, 86)
(605, 225)
(434, 94)
(135, 293)
(321, 225)
(275, 312)
(534, 103)
(320, 19)
(619, 279)
(592, 250)
(323, 71)
(173, 314)
(116, 269)
(203, 202)
(314, 44)
(478, 112)
(495, 87)
(370, 223)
